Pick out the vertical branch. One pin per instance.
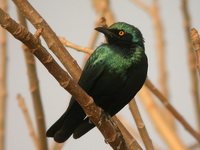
(191, 61)
(35, 92)
(3, 79)
(129, 127)
(196, 46)
(160, 47)
(27, 118)
(140, 125)
(159, 122)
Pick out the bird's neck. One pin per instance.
(137, 54)
(133, 52)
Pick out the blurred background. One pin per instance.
(75, 20)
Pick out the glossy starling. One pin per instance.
(113, 74)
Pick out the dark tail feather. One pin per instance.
(83, 128)
(63, 128)
(56, 126)
(67, 129)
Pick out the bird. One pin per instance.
(112, 76)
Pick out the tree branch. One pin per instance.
(35, 92)
(140, 125)
(27, 118)
(196, 46)
(95, 113)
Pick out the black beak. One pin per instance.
(105, 31)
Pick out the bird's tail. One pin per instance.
(64, 127)
(83, 128)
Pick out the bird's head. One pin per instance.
(122, 34)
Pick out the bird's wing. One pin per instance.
(93, 70)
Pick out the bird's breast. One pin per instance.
(118, 65)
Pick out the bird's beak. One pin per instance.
(105, 31)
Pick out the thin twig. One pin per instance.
(35, 92)
(25, 112)
(130, 140)
(74, 46)
(3, 80)
(196, 46)
(140, 125)
(170, 137)
(175, 113)
(50, 37)
(191, 61)
(87, 50)
(111, 133)
(160, 47)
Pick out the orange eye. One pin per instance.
(121, 33)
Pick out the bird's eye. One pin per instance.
(121, 33)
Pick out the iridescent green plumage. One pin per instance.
(114, 73)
